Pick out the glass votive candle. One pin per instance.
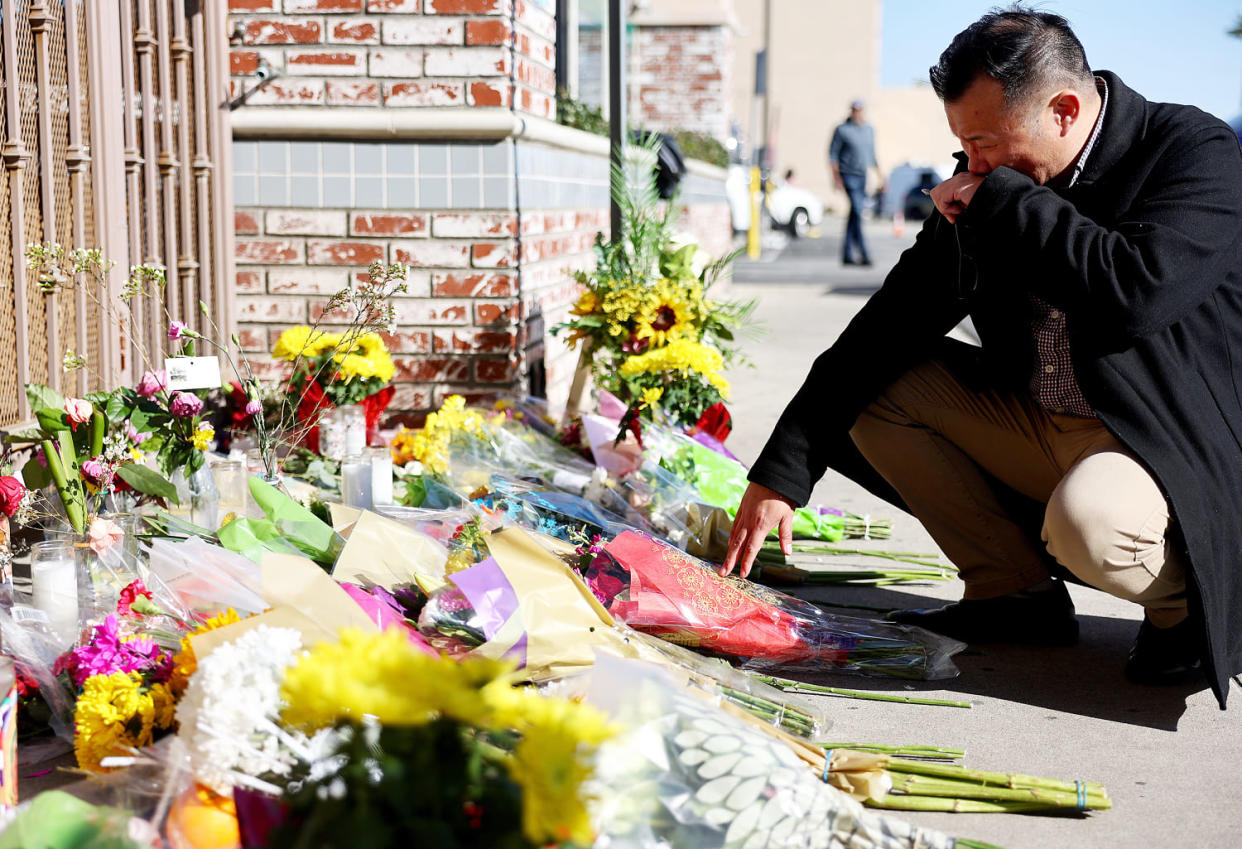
(381, 474)
(54, 568)
(232, 487)
(355, 429)
(356, 481)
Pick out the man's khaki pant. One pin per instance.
(932, 438)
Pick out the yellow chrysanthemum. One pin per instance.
(398, 684)
(679, 355)
(110, 716)
(651, 397)
(184, 661)
(588, 302)
(303, 341)
(202, 438)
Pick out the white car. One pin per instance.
(789, 207)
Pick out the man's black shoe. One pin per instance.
(848, 261)
(1165, 655)
(1032, 618)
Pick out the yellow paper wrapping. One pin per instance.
(382, 551)
(298, 583)
(563, 622)
(278, 617)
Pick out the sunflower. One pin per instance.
(667, 316)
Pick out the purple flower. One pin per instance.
(41, 457)
(176, 329)
(152, 382)
(253, 408)
(134, 436)
(108, 652)
(185, 404)
(94, 471)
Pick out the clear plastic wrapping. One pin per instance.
(653, 587)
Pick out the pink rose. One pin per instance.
(94, 471)
(185, 404)
(104, 534)
(152, 382)
(78, 410)
(253, 408)
(11, 494)
(176, 329)
(134, 436)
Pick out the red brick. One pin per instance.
(254, 5)
(392, 6)
(266, 308)
(417, 30)
(248, 281)
(408, 342)
(472, 285)
(326, 62)
(355, 31)
(466, 7)
(473, 225)
(267, 251)
(305, 222)
(265, 368)
(409, 397)
(495, 371)
(472, 62)
(417, 285)
(488, 94)
(243, 62)
(343, 253)
(475, 341)
(289, 91)
(422, 94)
(485, 314)
(245, 223)
(487, 32)
(432, 253)
(316, 311)
(305, 6)
(492, 255)
(431, 311)
(386, 224)
(306, 281)
(431, 369)
(283, 31)
(253, 338)
(352, 94)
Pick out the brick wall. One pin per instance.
(684, 78)
(397, 53)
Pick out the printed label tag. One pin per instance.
(22, 614)
(193, 372)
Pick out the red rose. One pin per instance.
(11, 494)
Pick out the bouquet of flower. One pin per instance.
(653, 587)
(649, 333)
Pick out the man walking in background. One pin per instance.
(850, 154)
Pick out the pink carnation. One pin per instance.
(253, 408)
(152, 383)
(176, 329)
(185, 404)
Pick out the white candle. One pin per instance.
(381, 475)
(356, 482)
(55, 584)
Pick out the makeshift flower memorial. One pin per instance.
(648, 332)
(429, 746)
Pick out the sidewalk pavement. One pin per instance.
(1168, 756)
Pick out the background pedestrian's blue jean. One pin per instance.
(855, 187)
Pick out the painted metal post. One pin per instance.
(617, 83)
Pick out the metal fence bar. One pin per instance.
(202, 172)
(179, 50)
(15, 157)
(168, 164)
(40, 24)
(144, 45)
(214, 21)
(77, 157)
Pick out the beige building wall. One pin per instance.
(823, 54)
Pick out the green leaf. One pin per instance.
(120, 404)
(44, 397)
(24, 436)
(35, 475)
(51, 420)
(99, 400)
(148, 481)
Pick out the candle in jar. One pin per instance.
(356, 481)
(381, 475)
(55, 592)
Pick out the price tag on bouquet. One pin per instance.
(192, 372)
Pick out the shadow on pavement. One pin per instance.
(855, 289)
(1085, 679)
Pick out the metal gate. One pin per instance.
(114, 135)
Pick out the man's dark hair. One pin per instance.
(1020, 48)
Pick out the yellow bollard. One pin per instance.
(752, 235)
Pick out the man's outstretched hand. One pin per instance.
(760, 511)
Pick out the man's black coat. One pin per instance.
(1144, 255)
